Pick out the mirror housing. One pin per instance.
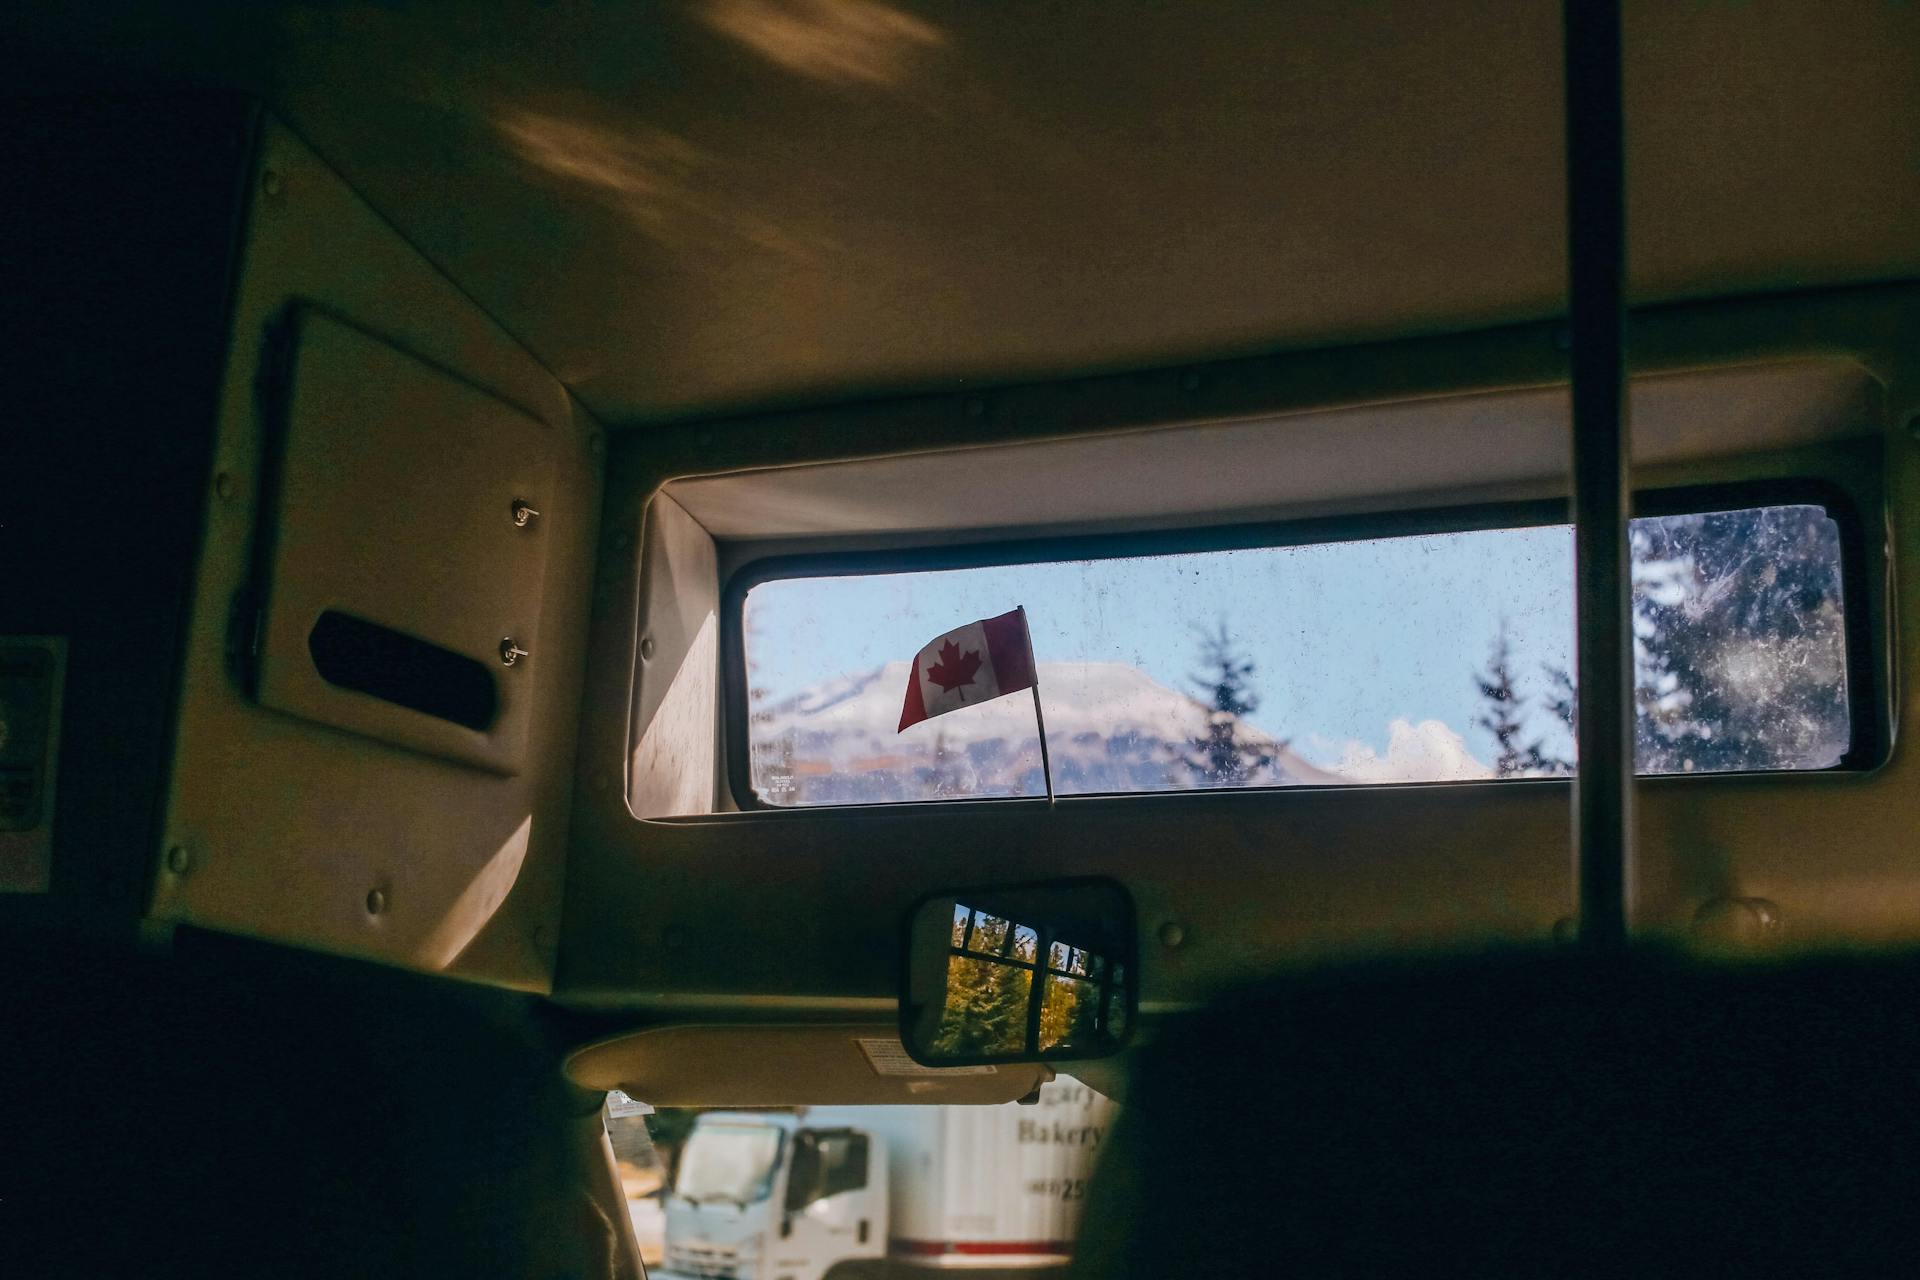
(1020, 973)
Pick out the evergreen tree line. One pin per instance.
(1739, 652)
(1739, 655)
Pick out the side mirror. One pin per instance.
(1020, 974)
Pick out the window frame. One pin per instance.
(857, 1141)
(1866, 747)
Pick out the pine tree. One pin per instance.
(1502, 715)
(1564, 703)
(1222, 757)
(986, 1002)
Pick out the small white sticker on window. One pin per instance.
(888, 1057)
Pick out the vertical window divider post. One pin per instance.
(1597, 251)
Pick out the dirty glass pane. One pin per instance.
(1431, 658)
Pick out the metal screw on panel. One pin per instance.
(523, 513)
(179, 859)
(271, 183)
(1172, 933)
(646, 648)
(376, 901)
(510, 652)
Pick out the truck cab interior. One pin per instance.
(479, 479)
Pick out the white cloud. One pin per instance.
(1424, 752)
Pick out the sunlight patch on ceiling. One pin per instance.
(645, 170)
(845, 42)
(673, 191)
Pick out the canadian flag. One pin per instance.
(969, 664)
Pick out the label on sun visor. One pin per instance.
(888, 1057)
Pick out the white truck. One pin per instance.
(854, 1193)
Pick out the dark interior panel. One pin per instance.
(122, 218)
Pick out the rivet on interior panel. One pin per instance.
(179, 859)
(224, 486)
(272, 183)
(1172, 933)
(646, 648)
(376, 901)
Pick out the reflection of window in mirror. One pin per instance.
(1069, 1014)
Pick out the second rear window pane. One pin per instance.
(1418, 659)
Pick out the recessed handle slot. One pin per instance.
(395, 667)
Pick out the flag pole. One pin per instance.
(1039, 716)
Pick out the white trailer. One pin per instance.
(885, 1191)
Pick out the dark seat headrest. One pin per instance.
(1526, 1114)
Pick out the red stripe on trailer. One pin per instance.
(976, 1248)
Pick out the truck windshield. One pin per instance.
(728, 1162)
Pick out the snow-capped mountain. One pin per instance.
(1110, 727)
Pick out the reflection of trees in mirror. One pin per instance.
(987, 1009)
(985, 1014)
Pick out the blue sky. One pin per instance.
(1347, 637)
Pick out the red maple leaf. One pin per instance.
(953, 670)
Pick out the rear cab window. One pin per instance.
(1319, 657)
